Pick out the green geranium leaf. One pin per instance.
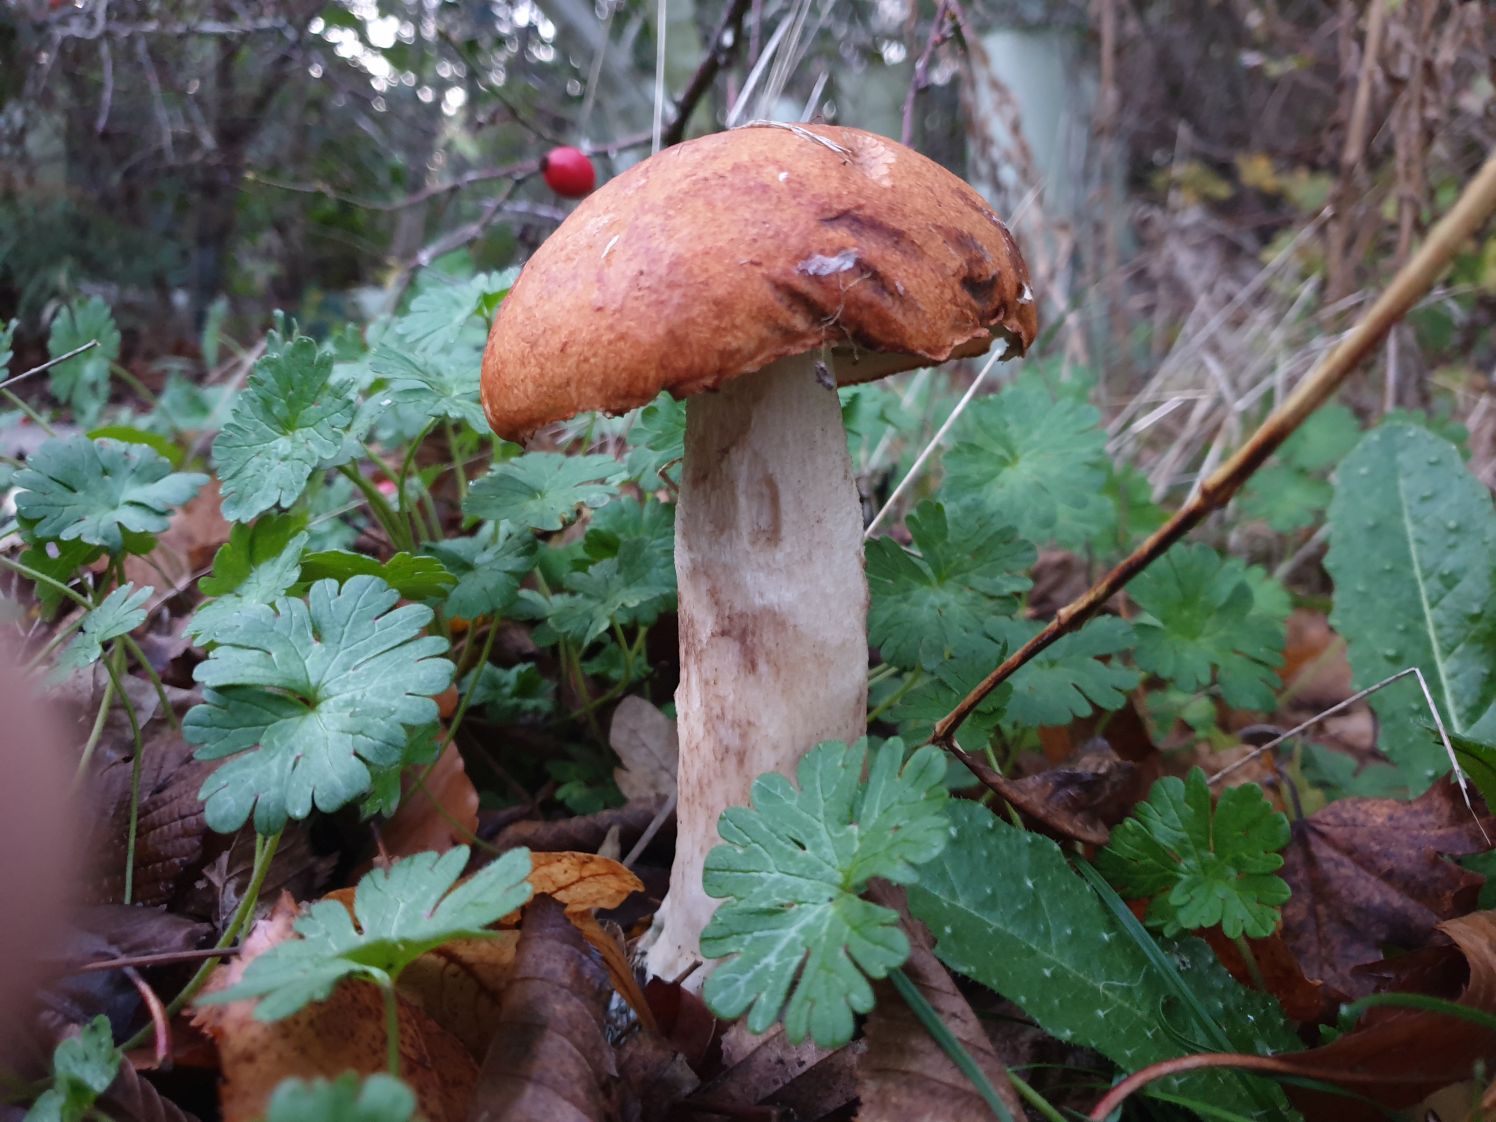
(1291, 493)
(97, 492)
(1029, 456)
(399, 914)
(975, 657)
(61, 561)
(122, 611)
(414, 577)
(657, 438)
(924, 602)
(257, 565)
(438, 384)
(440, 311)
(1201, 619)
(1202, 867)
(307, 696)
(510, 694)
(292, 418)
(542, 490)
(83, 382)
(800, 936)
(83, 1067)
(375, 1098)
(629, 588)
(1070, 678)
(1412, 534)
(488, 567)
(7, 338)
(128, 434)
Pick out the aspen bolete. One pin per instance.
(753, 271)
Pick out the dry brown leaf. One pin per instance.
(645, 741)
(345, 1032)
(1304, 1000)
(173, 841)
(583, 882)
(1371, 873)
(101, 932)
(1411, 1051)
(905, 1076)
(551, 1058)
(1075, 800)
(436, 815)
(771, 1072)
(585, 832)
(132, 1098)
(460, 986)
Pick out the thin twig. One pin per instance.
(163, 958)
(1340, 706)
(935, 440)
(723, 44)
(1475, 204)
(51, 362)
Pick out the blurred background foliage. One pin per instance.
(1206, 189)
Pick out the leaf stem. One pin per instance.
(32, 414)
(1254, 970)
(94, 733)
(37, 577)
(386, 986)
(384, 514)
(144, 663)
(914, 679)
(452, 455)
(265, 847)
(112, 665)
(925, 1013)
(1034, 1099)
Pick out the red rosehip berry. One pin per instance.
(568, 172)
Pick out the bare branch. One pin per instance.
(1474, 206)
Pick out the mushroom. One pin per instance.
(806, 256)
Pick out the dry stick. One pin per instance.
(1428, 698)
(1475, 204)
(51, 362)
(724, 43)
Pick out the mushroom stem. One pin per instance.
(773, 611)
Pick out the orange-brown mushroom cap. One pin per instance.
(718, 256)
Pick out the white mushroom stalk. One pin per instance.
(773, 612)
(697, 272)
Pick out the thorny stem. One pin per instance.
(1475, 204)
(265, 847)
